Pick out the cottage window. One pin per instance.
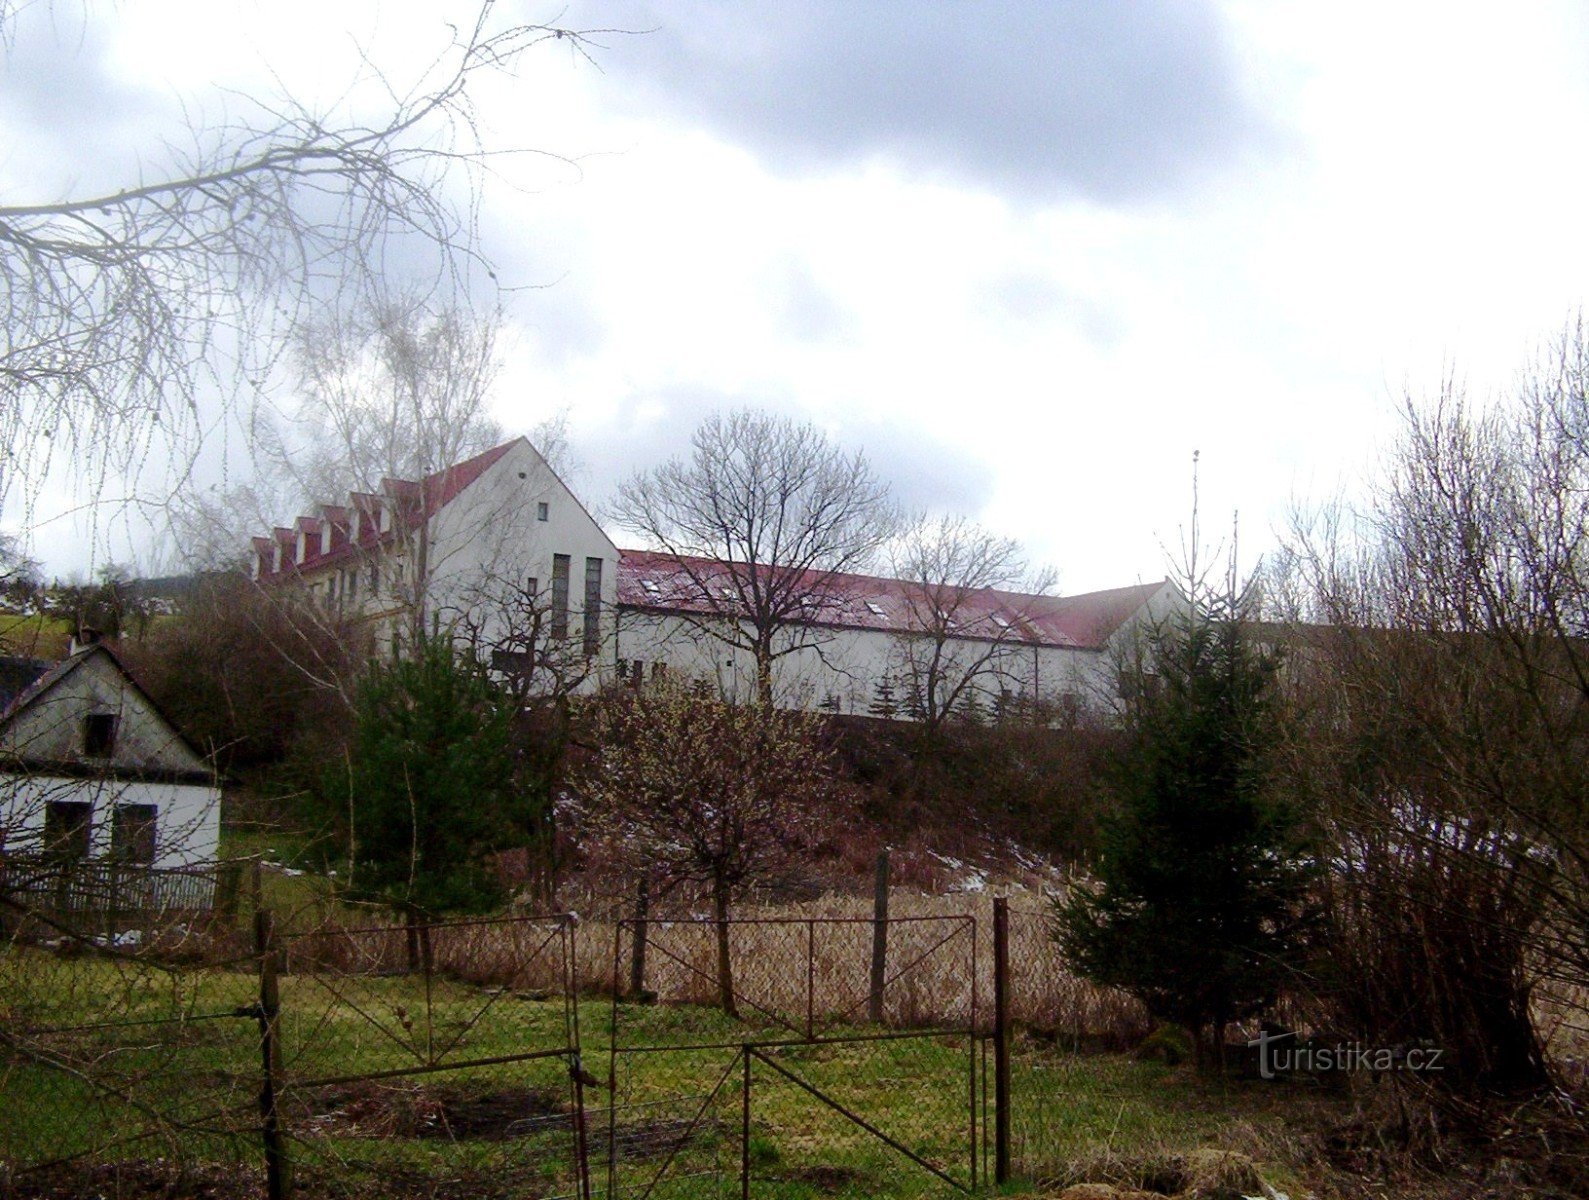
(66, 827)
(132, 833)
(99, 735)
(542, 511)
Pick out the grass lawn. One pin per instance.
(505, 1128)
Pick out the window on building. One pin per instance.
(353, 584)
(375, 580)
(875, 609)
(132, 833)
(99, 735)
(658, 670)
(560, 569)
(66, 828)
(542, 511)
(513, 662)
(592, 607)
(532, 587)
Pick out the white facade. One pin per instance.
(89, 763)
(839, 669)
(497, 552)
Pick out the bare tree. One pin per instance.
(966, 593)
(701, 790)
(396, 389)
(761, 518)
(124, 311)
(1453, 712)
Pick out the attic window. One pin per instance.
(99, 735)
(542, 511)
(651, 586)
(1000, 622)
(875, 609)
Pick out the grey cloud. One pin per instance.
(928, 475)
(923, 473)
(67, 108)
(1033, 299)
(1118, 102)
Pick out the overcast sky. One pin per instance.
(1029, 256)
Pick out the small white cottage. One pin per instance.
(91, 769)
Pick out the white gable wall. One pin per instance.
(491, 538)
(43, 759)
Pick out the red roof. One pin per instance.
(667, 583)
(439, 490)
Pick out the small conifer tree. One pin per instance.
(426, 795)
(1200, 904)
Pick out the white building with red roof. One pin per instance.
(856, 650)
(495, 548)
(498, 548)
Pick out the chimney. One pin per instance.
(85, 637)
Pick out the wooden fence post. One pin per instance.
(1001, 1040)
(278, 1181)
(879, 939)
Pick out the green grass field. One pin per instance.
(185, 1088)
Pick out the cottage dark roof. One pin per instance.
(17, 675)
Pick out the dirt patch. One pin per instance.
(824, 1178)
(404, 1109)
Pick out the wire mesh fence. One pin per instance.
(521, 1057)
(801, 1035)
(138, 1060)
(420, 1057)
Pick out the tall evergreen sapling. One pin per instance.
(1199, 908)
(427, 793)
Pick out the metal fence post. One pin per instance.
(278, 1182)
(744, 1141)
(637, 963)
(1001, 1040)
(879, 939)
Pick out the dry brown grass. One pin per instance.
(930, 963)
(793, 962)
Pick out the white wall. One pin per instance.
(187, 819)
(848, 663)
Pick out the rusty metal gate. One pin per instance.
(789, 1069)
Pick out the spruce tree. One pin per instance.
(1200, 900)
(427, 794)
